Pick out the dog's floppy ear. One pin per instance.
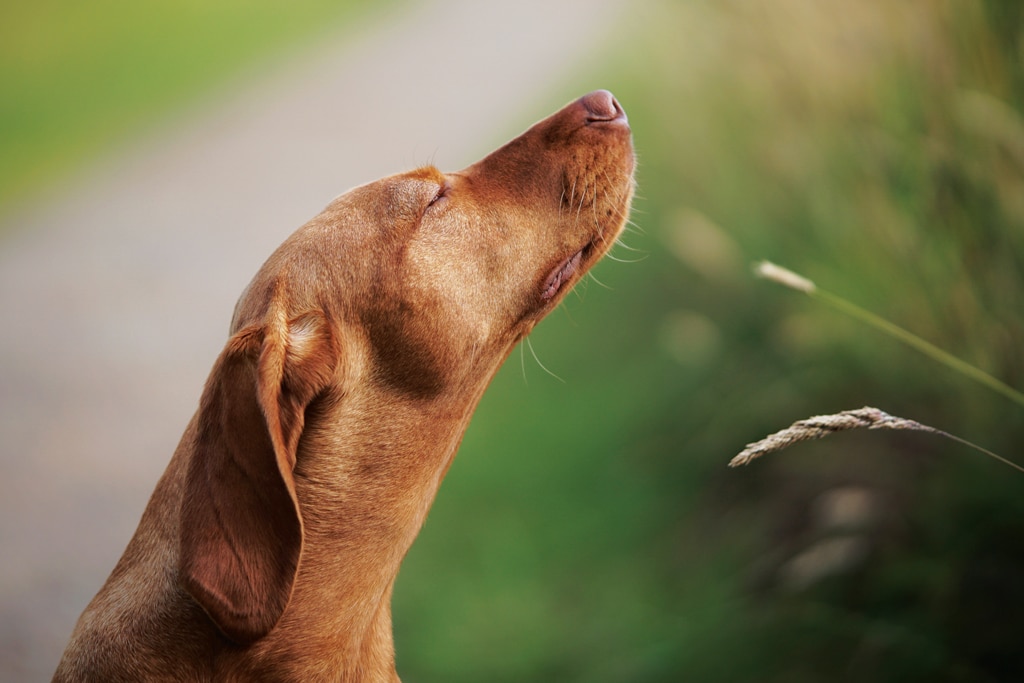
(241, 528)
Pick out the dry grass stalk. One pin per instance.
(786, 277)
(822, 425)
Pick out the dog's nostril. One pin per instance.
(601, 106)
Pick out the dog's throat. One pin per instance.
(561, 274)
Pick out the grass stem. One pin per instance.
(786, 277)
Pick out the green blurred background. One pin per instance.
(590, 530)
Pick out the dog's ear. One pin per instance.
(241, 528)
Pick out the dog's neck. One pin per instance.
(363, 498)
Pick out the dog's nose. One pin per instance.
(601, 106)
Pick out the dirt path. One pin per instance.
(115, 293)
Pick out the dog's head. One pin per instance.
(419, 284)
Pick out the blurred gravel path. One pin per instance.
(116, 292)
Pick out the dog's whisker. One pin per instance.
(593, 277)
(611, 257)
(583, 198)
(622, 191)
(633, 228)
(620, 243)
(626, 260)
(579, 291)
(522, 363)
(542, 366)
(620, 211)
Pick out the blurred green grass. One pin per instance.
(590, 530)
(77, 78)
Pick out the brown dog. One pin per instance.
(358, 353)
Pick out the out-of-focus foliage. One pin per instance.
(590, 530)
(74, 76)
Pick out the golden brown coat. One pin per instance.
(357, 355)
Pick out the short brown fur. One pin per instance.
(357, 355)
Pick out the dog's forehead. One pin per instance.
(393, 187)
(400, 199)
(371, 211)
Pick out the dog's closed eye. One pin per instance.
(441, 195)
